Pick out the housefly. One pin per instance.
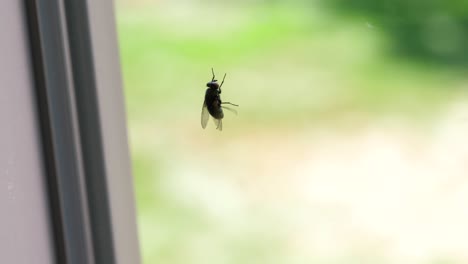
(213, 105)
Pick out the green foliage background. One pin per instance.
(294, 68)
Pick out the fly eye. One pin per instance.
(213, 84)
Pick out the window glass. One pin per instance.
(350, 144)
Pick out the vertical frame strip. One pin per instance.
(58, 121)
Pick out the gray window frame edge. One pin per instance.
(81, 111)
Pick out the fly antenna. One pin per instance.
(222, 82)
(212, 71)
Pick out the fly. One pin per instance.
(213, 105)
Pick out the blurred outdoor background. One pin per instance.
(351, 142)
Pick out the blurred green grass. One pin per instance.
(321, 63)
(288, 67)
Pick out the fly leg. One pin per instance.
(229, 103)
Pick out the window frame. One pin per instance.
(80, 102)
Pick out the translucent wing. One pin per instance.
(204, 115)
(230, 109)
(218, 123)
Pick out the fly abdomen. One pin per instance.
(215, 109)
(217, 113)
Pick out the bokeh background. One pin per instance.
(351, 142)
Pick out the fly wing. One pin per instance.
(230, 109)
(218, 123)
(204, 115)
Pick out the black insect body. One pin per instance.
(213, 105)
